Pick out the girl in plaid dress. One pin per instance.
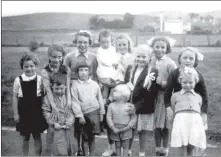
(142, 76)
(164, 65)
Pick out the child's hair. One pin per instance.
(84, 33)
(28, 57)
(125, 90)
(192, 50)
(162, 39)
(188, 72)
(59, 78)
(125, 36)
(56, 47)
(82, 65)
(143, 48)
(105, 33)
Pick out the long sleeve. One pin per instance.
(94, 70)
(109, 117)
(169, 90)
(76, 104)
(100, 100)
(202, 90)
(69, 119)
(47, 111)
(133, 120)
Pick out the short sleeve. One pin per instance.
(16, 85)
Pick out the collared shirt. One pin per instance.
(73, 59)
(186, 101)
(17, 85)
(87, 81)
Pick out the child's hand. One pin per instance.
(159, 81)
(101, 118)
(16, 118)
(130, 109)
(82, 120)
(169, 113)
(125, 129)
(115, 66)
(115, 130)
(57, 126)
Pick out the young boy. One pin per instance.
(61, 123)
(88, 107)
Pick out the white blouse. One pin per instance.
(17, 85)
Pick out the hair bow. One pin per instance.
(170, 40)
(196, 51)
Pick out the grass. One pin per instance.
(210, 68)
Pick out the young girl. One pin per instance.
(123, 46)
(189, 57)
(109, 69)
(119, 120)
(143, 97)
(27, 103)
(88, 107)
(56, 54)
(62, 122)
(82, 39)
(161, 47)
(188, 128)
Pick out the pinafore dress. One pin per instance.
(31, 119)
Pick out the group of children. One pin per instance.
(119, 88)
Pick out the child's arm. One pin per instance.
(70, 119)
(100, 100)
(169, 110)
(76, 104)
(110, 119)
(131, 123)
(49, 94)
(16, 87)
(47, 112)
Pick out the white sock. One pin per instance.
(142, 154)
(129, 152)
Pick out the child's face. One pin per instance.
(55, 58)
(187, 59)
(105, 42)
(188, 83)
(159, 49)
(117, 95)
(58, 89)
(82, 43)
(142, 59)
(83, 73)
(122, 46)
(29, 68)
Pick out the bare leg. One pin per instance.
(131, 140)
(180, 151)
(143, 140)
(157, 138)
(85, 147)
(25, 145)
(38, 144)
(190, 150)
(125, 145)
(118, 148)
(91, 144)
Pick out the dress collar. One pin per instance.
(84, 54)
(191, 91)
(28, 78)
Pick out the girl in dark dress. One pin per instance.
(27, 103)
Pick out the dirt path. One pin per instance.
(11, 145)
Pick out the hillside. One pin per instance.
(80, 20)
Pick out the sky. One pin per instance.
(106, 7)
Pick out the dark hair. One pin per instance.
(165, 40)
(82, 65)
(105, 33)
(59, 78)
(82, 33)
(28, 57)
(196, 58)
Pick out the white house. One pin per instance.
(174, 26)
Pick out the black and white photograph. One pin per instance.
(160, 97)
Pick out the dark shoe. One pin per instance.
(158, 154)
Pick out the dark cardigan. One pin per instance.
(174, 86)
(143, 100)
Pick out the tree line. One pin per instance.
(96, 22)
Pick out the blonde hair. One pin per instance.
(125, 36)
(185, 72)
(143, 48)
(124, 90)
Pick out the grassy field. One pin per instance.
(210, 68)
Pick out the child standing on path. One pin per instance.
(165, 65)
(119, 120)
(27, 102)
(188, 127)
(56, 55)
(61, 123)
(88, 107)
(143, 95)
